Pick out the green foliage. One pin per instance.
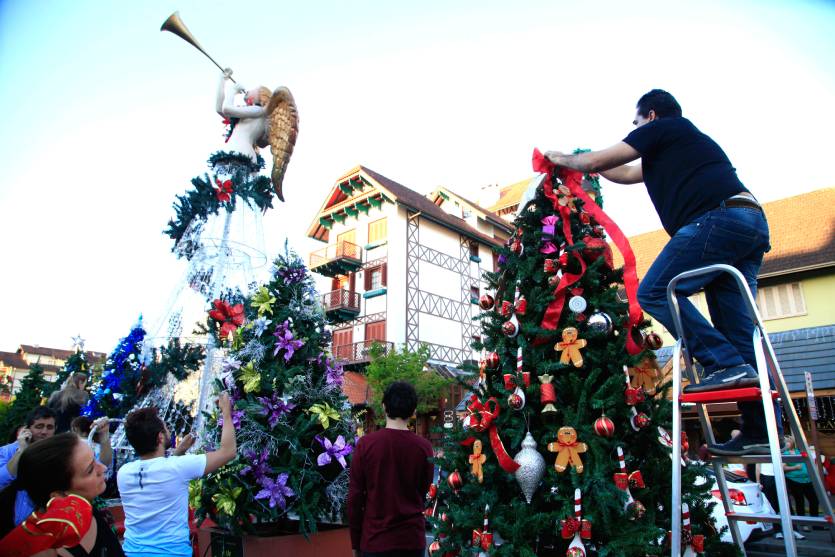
(31, 394)
(404, 365)
(583, 393)
(302, 387)
(202, 200)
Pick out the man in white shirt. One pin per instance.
(154, 489)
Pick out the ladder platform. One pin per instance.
(810, 520)
(726, 395)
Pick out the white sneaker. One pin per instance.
(779, 535)
(798, 535)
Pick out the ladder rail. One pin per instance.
(802, 444)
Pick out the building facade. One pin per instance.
(15, 365)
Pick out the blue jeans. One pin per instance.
(736, 236)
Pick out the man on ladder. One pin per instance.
(711, 218)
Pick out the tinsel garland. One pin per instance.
(195, 206)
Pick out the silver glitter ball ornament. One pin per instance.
(600, 322)
(531, 467)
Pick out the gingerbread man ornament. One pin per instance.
(568, 450)
(477, 460)
(644, 375)
(570, 347)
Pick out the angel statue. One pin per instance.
(264, 118)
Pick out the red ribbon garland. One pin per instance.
(573, 180)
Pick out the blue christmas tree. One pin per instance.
(117, 389)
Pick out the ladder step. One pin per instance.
(760, 458)
(748, 517)
(726, 395)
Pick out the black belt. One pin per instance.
(742, 202)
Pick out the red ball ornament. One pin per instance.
(635, 510)
(511, 328)
(492, 361)
(454, 480)
(514, 401)
(575, 552)
(653, 340)
(486, 302)
(604, 427)
(640, 420)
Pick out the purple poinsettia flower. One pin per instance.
(337, 450)
(275, 490)
(333, 371)
(237, 416)
(285, 341)
(291, 275)
(274, 407)
(257, 464)
(502, 260)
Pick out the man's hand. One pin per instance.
(102, 425)
(227, 73)
(224, 404)
(24, 437)
(555, 157)
(185, 444)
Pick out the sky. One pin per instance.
(107, 119)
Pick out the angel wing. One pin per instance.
(282, 129)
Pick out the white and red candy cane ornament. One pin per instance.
(516, 400)
(693, 545)
(520, 304)
(634, 508)
(483, 539)
(576, 528)
(632, 395)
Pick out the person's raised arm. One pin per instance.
(184, 445)
(24, 438)
(624, 174)
(228, 446)
(596, 161)
(102, 425)
(221, 90)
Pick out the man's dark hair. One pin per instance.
(664, 104)
(400, 400)
(39, 413)
(142, 428)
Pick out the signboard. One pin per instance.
(810, 396)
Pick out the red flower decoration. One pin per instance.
(224, 190)
(230, 317)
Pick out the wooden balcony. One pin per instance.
(336, 259)
(341, 305)
(359, 352)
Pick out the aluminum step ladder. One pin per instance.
(766, 366)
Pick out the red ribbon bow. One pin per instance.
(230, 317)
(223, 193)
(570, 526)
(573, 180)
(481, 418)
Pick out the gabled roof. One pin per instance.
(13, 359)
(59, 353)
(509, 197)
(802, 229)
(342, 199)
(442, 194)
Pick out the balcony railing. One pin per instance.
(359, 352)
(336, 259)
(341, 305)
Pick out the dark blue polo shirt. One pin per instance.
(685, 171)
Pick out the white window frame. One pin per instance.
(787, 300)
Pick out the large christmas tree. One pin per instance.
(293, 422)
(560, 451)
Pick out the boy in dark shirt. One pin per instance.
(390, 474)
(711, 218)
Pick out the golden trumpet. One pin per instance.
(175, 25)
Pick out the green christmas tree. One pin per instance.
(293, 422)
(567, 363)
(30, 395)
